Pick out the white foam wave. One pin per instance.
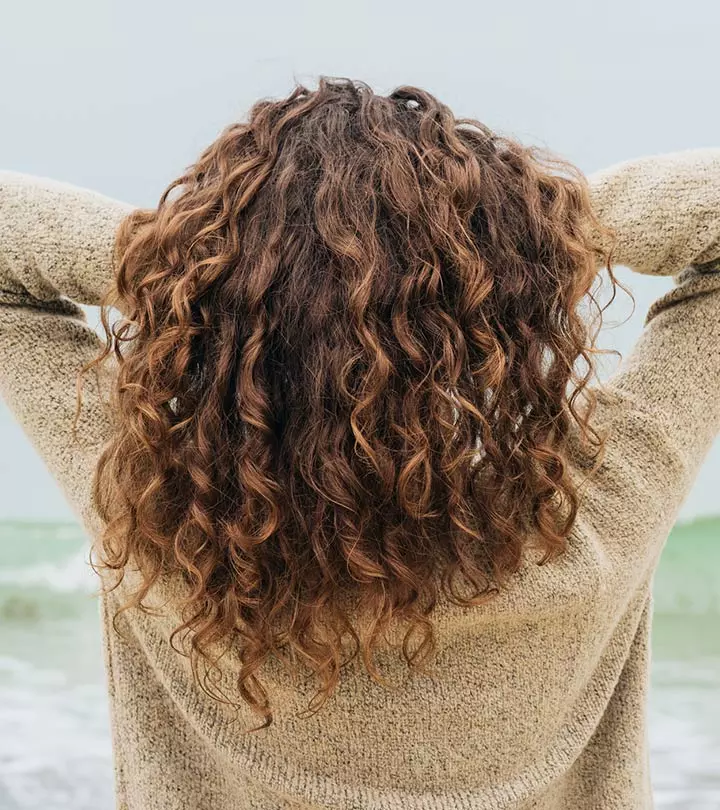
(68, 576)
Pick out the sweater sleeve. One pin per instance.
(665, 212)
(56, 246)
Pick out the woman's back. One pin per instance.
(381, 389)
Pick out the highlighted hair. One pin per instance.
(351, 354)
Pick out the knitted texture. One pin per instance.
(539, 698)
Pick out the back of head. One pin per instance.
(347, 375)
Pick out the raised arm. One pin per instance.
(666, 214)
(56, 245)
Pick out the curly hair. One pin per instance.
(349, 359)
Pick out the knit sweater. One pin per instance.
(539, 697)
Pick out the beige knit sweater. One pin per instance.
(540, 697)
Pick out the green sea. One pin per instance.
(54, 740)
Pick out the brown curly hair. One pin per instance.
(350, 356)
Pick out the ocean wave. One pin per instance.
(72, 575)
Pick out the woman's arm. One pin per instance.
(666, 214)
(56, 248)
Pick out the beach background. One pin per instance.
(54, 739)
(121, 96)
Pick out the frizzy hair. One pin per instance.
(349, 359)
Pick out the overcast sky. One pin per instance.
(121, 96)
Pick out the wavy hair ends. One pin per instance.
(350, 358)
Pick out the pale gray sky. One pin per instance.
(121, 95)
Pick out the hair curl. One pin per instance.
(349, 360)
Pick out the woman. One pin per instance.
(369, 534)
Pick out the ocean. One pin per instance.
(54, 739)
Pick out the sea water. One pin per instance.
(54, 741)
